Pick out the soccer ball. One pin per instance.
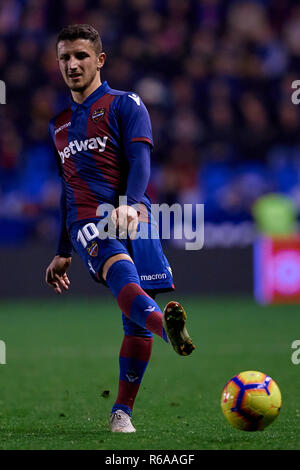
(251, 401)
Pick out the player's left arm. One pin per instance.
(137, 142)
(126, 216)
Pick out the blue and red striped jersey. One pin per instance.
(91, 141)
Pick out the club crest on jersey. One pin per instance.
(93, 249)
(98, 114)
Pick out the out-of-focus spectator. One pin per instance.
(216, 77)
(256, 135)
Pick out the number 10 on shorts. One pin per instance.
(88, 233)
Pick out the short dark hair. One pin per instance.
(81, 31)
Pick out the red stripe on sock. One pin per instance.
(137, 347)
(127, 393)
(127, 295)
(154, 323)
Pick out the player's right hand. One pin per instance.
(56, 275)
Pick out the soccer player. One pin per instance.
(103, 142)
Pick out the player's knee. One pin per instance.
(110, 261)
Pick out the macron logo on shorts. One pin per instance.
(153, 277)
(94, 143)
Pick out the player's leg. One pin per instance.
(120, 274)
(156, 276)
(122, 278)
(133, 360)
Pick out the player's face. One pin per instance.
(79, 63)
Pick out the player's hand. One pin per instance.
(125, 219)
(56, 275)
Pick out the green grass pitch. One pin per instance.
(61, 375)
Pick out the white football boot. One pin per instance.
(121, 422)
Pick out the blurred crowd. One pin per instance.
(215, 75)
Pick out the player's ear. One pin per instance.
(101, 60)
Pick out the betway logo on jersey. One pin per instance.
(94, 143)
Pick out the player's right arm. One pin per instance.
(56, 275)
(56, 272)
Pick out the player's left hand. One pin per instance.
(125, 219)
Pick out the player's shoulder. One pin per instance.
(61, 114)
(112, 91)
(60, 119)
(127, 100)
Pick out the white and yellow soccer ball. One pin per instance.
(251, 401)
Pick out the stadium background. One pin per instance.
(216, 77)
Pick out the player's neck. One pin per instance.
(81, 96)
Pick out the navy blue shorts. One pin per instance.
(147, 254)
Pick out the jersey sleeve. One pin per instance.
(51, 129)
(139, 172)
(64, 247)
(135, 120)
